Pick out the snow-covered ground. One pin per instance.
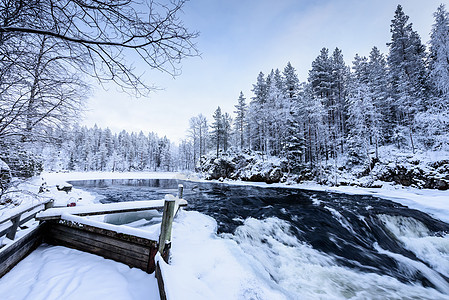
(203, 265)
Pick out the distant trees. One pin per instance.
(198, 133)
(96, 149)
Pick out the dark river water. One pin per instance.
(362, 234)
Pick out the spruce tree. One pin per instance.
(407, 74)
(217, 129)
(379, 88)
(439, 54)
(241, 119)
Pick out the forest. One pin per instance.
(341, 115)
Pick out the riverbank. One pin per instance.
(425, 169)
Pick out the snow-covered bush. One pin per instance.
(22, 163)
(5, 176)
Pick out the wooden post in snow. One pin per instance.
(49, 204)
(180, 190)
(13, 229)
(166, 226)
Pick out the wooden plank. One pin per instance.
(151, 266)
(26, 216)
(101, 209)
(4, 228)
(103, 238)
(75, 244)
(160, 282)
(103, 242)
(19, 211)
(121, 236)
(13, 229)
(11, 254)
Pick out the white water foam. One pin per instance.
(301, 272)
(416, 237)
(263, 260)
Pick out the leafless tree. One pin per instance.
(40, 90)
(108, 32)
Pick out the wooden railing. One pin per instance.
(64, 226)
(20, 215)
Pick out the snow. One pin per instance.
(55, 272)
(151, 235)
(205, 265)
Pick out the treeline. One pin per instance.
(96, 149)
(401, 98)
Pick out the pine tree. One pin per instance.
(241, 119)
(291, 82)
(378, 85)
(365, 119)
(407, 73)
(337, 108)
(226, 131)
(293, 147)
(439, 54)
(257, 117)
(320, 79)
(217, 130)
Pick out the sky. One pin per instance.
(240, 38)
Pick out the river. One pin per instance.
(311, 243)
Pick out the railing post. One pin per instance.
(49, 204)
(180, 191)
(13, 229)
(166, 226)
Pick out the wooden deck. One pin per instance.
(65, 227)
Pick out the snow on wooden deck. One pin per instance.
(56, 272)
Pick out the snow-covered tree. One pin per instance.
(226, 131)
(241, 120)
(439, 53)
(407, 73)
(217, 130)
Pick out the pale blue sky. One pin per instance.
(238, 39)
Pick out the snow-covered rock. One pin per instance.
(420, 170)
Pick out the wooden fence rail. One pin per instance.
(19, 216)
